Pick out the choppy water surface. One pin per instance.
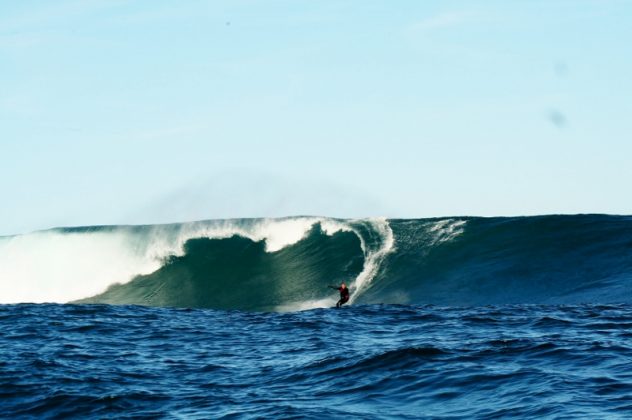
(361, 361)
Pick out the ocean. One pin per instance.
(456, 317)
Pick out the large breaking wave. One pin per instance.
(286, 264)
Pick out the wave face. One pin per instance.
(482, 261)
(286, 264)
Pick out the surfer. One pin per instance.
(344, 294)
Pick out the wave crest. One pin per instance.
(286, 264)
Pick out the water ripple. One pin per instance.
(364, 361)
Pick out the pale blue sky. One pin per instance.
(159, 111)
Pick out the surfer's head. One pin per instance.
(343, 284)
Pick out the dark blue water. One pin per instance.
(362, 361)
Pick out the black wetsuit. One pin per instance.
(344, 295)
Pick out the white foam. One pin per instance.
(446, 230)
(307, 305)
(373, 258)
(56, 267)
